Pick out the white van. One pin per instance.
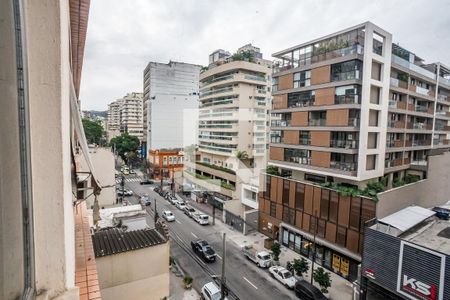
(211, 291)
(201, 219)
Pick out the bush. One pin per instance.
(300, 266)
(322, 278)
(187, 281)
(276, 251)
(272, 170)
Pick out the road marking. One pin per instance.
(177, 221)
(194, 235)
(218, 256)
(250, 283)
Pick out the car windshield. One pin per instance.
(204, 217)
(169, 214)
(208, 250)
(266, 257)
(286, 274)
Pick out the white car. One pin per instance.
(168, 215)
(283, 276)
(180, 205)
(211, 291)
(201, 219)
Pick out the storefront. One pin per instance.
(328, 258)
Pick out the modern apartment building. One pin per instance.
(351, 108)
(170, 105)
(113, 122)
(131, 115)
(232, 134)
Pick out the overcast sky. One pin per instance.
(123, 36)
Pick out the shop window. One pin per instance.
(285, 240)
(299, 196)
(327, 259)
(306, 246)
(298, 240)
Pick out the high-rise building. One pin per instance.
(170, 104)
(232, 135)
(113, 123)
(354, 112)
(131, 119)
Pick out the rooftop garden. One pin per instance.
(216, 167)
(209, 179)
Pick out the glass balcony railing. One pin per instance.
(280, 123)
(317, 122)
(347, 99)
(255, 77)
(217, 102)
(445, 81)
(353, 122)
(303, 160)
(421, 108)
(217, 79)
(404, 63)
(346, 76)
(276, 140)
(216, 91)
(344, 166)
(443, 97)
(305, 141)
(346, 144)
(421, 143)
(301, 103)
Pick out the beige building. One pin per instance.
(232, 132)
(113, 121)
(136, 268)
(131, 119)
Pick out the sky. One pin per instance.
(123, 36)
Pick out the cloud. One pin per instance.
(123, 36)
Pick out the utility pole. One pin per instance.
(222, 278)
(156, 212)
(122, 188)
(314, 249)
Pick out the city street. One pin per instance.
(243, 277)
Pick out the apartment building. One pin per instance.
(232, 133)
(170, 105)
(113, 122)
(351, 108)
(131, 115)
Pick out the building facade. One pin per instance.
(164, 163)
(131, 115)
(170, 104)
(113, 121)
(232, 133)
(350, 109)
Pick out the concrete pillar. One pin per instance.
(390, 180)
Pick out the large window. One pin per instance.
(274, 84)
(286, 192)
(348, 94)
(302, 79)
(300, 156)
(302, 56)
(301, 99)
(299, 195)
(346, 71)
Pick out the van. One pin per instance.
(211, 291)
(306, 291)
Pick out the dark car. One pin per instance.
(306, 291)
(204, 250)
(147, 181)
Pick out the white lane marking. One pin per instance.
(218, 256)
(194, 235)
(177, 221)
(250, 283)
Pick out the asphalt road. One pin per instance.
(244, 278)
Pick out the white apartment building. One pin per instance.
(131, 118)
(170, 104)
(113, 122)
(233, 128)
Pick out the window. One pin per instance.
(291, 216)
(286, 192)
(300, 156)
(273, 209)
(299, 195)
(302, 79)
(371, 162)
(321, 228)
(348, 70)
(285, 214)
(333, 211)
(348, 94)
(301, 99)
(274, 84)
(324, 202)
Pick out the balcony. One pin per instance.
(346, 76)
(416, 143)
(348, 167)
(276, 139)
(444, 142)
(421, 90)
(302, 160)
(305, 141)
(353, 122)
(216, 91)
(399, 83)
(255, 77)
(302, 103)
(219, 102)
(443, 98)
(345, 144)
(445, 81)
(418, 125)
(404, 63)
(393, 163)
(394, 144)
(420, 108)
(317, 122)
(280, 123)
(347, 99)
(396, 124)
(260, 91)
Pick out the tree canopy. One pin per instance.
(126, 145)
(93, 131)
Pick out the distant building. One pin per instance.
(165, 163)
(170, 104)
(113, 123)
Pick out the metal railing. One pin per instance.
(280, 123)
(317, 122)
(254, 77)
(347, 99)
(344, 144)
(344, 166)
(216, 91)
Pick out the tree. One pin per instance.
(125, 145)
(276, 251)
(242, 155)
(300, 266)
(272, 170)
(322, 278)
(93, 131)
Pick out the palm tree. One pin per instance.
(242, 155)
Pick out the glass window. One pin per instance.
(321, 228)
(285, 237)
(349, 94)
(341, 236)
(286, 184)
(299, 195)
(346, 71)
(327, 259)
(292, 216)
(333, 212)
(285, 214)
(306, 245)
(274, 84)
(298, 240)
(324, 202)
(273, 209)
(302, 79)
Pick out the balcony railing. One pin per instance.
(424, 126)
(216, 91)
(276, 140)
(440, 142)
(393, 163)
(280, 123)
(444, 80)
(400, 61)
(399, 83)
(344, 144)
(443, 97)
(421, 143)
(421, 108)
(305, 141)
(353, 122)
(347, 99)
(419, 162)
(302, 103)
(344, 166)
(217, 79)
(303, 160)
(217, 102)
(317, 122)
(396, 124)
(254, 77)
(346, 76)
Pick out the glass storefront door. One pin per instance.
(285, 237)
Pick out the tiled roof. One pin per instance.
(114, 241)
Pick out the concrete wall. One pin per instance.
(434, 190)
(138, 274)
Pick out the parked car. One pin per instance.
(145, 200)
(124, 192)
(189, 211)
(168, 215)
(211, 291)
(201, 219)
(260, 258)
(203, 250)
(147, 181)
(180, 205)
(132, 171)
(283, 276)
(173, 201)
(305, 290)
(126, 172)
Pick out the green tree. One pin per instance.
(125, 145)
(300, 266)
(276, 251)
(322, 278)
(93, 131)
(242, 155)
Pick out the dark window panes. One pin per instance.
(286, 184)
(341, 236)
(355, 213)
(273, 209)
(299, 196)
(324, 204)
(333, 211)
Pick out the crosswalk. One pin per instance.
(128, 179)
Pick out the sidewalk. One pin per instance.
(178, 292)
(340, 289)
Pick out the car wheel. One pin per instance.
(257, 264)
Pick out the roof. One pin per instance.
(114, 241)
(407, 218)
